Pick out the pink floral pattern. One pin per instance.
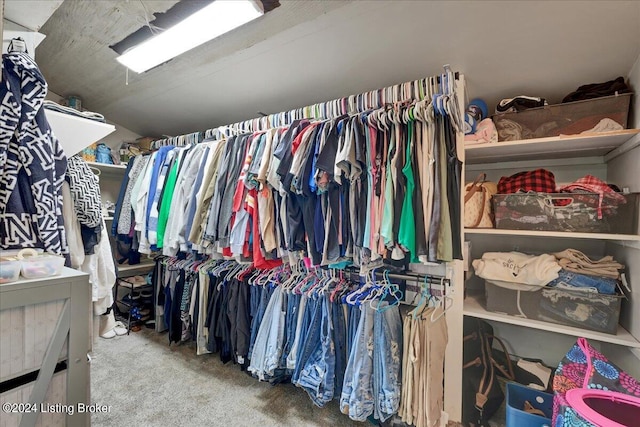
(572, 373)
(575, 372)
(630, 384)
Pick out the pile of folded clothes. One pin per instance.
(575, 289)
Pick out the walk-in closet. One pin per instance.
(320, 213)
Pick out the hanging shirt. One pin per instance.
(176, 221)
(167, 195)
(407, 232)
(158, 172)
(126, 219)
(154, 213)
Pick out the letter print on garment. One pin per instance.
(32, 162)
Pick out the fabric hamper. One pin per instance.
(583, 380)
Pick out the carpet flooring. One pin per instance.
(149, 383)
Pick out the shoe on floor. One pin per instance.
(120, 329)
(109, 334)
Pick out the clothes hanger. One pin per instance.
(445, 308)
(393, 290)
(423, 300)
(352, 297)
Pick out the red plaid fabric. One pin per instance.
(591, 184)
(539, 180)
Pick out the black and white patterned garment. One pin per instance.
(124, 221)
(85, 192)
(87, 203)
(32, 162)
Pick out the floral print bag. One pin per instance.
(585, 368)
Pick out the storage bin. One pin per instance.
(513, 302)
(577, 212)
(583, 309)
(562, 119)
(42, 266)
(9, 271)
(517, 395)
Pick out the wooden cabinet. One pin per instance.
(44, 346)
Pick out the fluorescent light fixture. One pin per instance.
(211, 21)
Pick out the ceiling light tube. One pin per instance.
(210, 22)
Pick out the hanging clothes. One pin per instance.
(32, 161)
(382, 186)
(85, 193)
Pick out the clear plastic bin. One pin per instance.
(42, 266)
(9, 271)
(577, 212)
(587, 310)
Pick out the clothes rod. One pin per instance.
(335, 108)
(411, 277)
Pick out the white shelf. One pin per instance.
(556, 147)
(132, 270)
(473, 308)
(76, 133)
(105, 166)
(108, 218)
(562, 234)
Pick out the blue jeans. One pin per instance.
(357, 390)
(317, 377)
(268, 344)
(309, 334)
(595, 312)
(292, 357)
(293, 302)
(352, 326)
(603, 285)
(387, 356)
(265, 295)
(340, 342)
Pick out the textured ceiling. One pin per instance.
(310, 51)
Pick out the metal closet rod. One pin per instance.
(413, 277)
(381, 94)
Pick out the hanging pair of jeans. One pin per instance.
(317, 377)
(387, 355)
(338, 313)
(265, 293)
(372, 378)
(357, 391)
(293, 305)
(292, 357)
(269, 340)
(352, 326)
(309, 335)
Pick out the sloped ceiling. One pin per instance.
(30, 14)
(310, 51)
